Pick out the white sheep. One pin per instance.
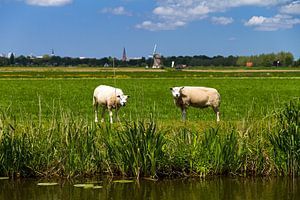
(199, 97)
(108, 98)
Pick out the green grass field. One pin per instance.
(148, 97)
(47, 128)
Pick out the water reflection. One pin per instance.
(192, 189)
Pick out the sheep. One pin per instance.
(108, 98)
(199, 97)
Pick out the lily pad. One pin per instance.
(79, 185)
(4, 178)
(88, 186)
(98, 187)
(47, 184)
(85, 186)
(123, 181)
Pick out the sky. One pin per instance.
(101, 28)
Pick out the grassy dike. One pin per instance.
(47, 128)
(69, 146)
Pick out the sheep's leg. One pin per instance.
(117, 115)
(183, 113)
(110, 115)
(103, 113)
(96, 111)
(216, 109)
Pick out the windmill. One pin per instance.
(156, 58)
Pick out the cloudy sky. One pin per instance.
(99, 28)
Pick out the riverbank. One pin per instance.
(67, 146)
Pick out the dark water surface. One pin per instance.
(208, 189)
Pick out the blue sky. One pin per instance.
(100, 28)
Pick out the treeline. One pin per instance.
(285, 59)
(268, 60)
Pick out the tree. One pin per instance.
(4, 61)
(286, 58)
(21, 60)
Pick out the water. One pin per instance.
(190, 189)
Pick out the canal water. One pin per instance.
(190, 189)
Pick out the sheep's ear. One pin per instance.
(171, 88)
(180, 90)
(128, 96)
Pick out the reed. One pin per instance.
(286, 140)
(68, 145)
(63, 146)
(136, 149)
(213, 151)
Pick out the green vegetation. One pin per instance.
(286, 59)
(47, 128)
(70, 147)
(196, 72)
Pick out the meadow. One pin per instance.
(47, 128)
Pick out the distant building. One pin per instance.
(249, 64)
(181, 66)
(124, 56)
(156, 61)
(276, 63)
(52, 53)
(136, 58)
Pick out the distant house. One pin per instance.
(276, 63)
(181, 66)
(106, 65)
(249, 64)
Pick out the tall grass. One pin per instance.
(67, 145)
(286, 140)
(213, 151)
(63, 146)
(136, 149)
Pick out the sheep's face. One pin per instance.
(123, 99)
(176, 91)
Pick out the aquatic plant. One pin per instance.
(68, 145)
(136, 149)
(286, 139)
(63, 146)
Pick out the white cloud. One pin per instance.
(292, 8)
(116, 11)
(48, 2)
(222, 20)
(171, 11)
(149, 25)
(238, 3)
(181, 13)
(277, 22)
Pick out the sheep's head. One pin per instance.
(176, 91)
(123, 99)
